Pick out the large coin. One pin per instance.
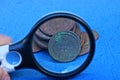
(64, 46)
(56, 25)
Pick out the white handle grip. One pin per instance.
(4, 50)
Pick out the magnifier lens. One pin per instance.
(61, 45)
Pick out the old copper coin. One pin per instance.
(56, 25)
(75, 27)
(41, 35)
(64, 46)
(78, 32)
(40, 43)
(86, 45)
(84, 40)
(35, 47)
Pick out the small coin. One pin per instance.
(56, 25)
(64, 46)
(40, 43)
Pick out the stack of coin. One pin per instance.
(51, 27)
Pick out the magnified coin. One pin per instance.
(64, 46)
(86, 45)
(41, 43)
(74, 27)
(35, 47)
(56, 25)
(41, 35)
(80, 34)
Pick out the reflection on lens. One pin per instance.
(62, 45)
(46, 61)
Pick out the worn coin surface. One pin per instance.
(64, 46)
(56, 25)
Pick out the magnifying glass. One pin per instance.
(62, 39)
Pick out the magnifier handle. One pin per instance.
(4, 50)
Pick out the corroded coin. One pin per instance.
(64, 46)
(56, 25)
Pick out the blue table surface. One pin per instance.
(18, 16)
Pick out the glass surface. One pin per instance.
(41, 45)
(13, 58)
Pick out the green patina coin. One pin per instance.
(64, 46)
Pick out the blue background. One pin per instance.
(18, 16)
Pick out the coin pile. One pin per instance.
(48, 29)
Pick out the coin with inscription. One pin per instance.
(56, 25)
(64, 46)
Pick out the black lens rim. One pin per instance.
(37, 66)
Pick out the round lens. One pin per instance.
(13, 58)
(61, 45)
